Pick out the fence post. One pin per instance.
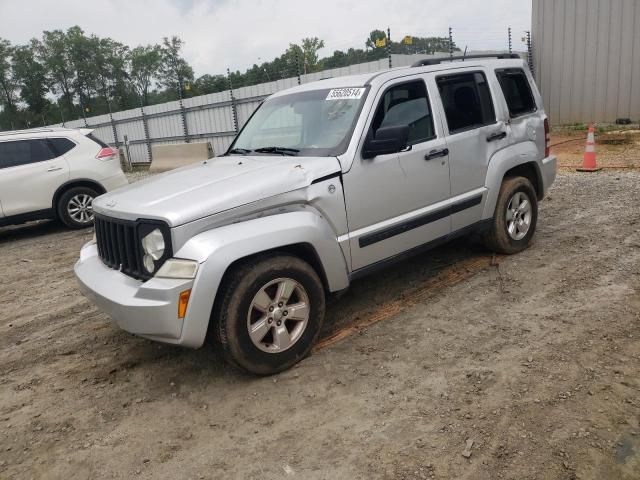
(450, 43)
(61, 114)
(297, 66)
(83, 115)
(509, 34)
(145, 127)
(126, 148)
(113, 126)
(530, 53)
(234, 112)
(183, 114)
(389, 45)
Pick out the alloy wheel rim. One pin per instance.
(519, 215)
(278, 315)
(80, 208)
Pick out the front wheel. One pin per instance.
(75, 207)
(269, 313)
(515, 217)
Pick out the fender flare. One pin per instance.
(503, 161)
(217, 249)
(74, 182)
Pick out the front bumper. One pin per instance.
(148, 309)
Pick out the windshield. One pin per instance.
(313, 123)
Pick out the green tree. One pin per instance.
(176, 73)
(8, 84)
(144, 66)
(31, 76)
(54, 54)
(210, 84)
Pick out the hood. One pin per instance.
(218, 184)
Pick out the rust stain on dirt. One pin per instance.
(447, 278)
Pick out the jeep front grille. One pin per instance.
(119, 247)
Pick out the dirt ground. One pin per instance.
(454, 365)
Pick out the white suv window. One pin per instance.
(60, 146)
(23, 152)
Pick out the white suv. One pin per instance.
(54, 173)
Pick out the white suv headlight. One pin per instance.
(153, 246)
(178, 268)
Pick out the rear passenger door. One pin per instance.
(525, 124)
(30, 173)
(473, 135)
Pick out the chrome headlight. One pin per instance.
(154, 248)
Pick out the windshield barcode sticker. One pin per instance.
(345, 93)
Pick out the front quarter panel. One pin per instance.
(217, 249)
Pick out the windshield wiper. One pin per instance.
(280, 150)
(241, 151)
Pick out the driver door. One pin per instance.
(397, 202)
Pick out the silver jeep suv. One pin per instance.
(325, 183)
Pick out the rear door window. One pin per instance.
(467, 101)
(406, 104)
(23, 152)
(517, 91)
(60, 146)
(91, 136)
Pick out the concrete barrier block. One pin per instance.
(175, 155)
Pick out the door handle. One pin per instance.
(496, 136)
(437, 153)
(54, 169)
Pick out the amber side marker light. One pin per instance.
(183, 302)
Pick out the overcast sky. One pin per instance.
(228, 33)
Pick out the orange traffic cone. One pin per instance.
(589, 160)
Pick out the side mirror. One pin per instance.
(390, 139)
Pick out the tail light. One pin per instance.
(547, 138)
(106, 153)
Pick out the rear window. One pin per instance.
(517, 91)
(23, 152)
(60, 146)
(97, 140)
(467, 101)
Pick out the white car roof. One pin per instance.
(43, 133)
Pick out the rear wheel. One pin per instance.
(75, 207)
(269, 314)
(515, 217)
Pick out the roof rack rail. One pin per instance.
(436, 61)
(32, 130)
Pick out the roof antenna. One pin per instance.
(465, 53)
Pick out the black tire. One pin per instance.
(233, 305)
(63, 206)
(497, 238)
